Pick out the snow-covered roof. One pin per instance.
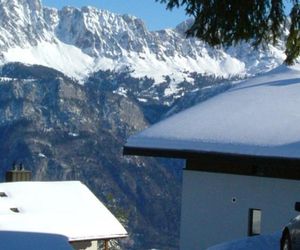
(260, 117)
(67, 208)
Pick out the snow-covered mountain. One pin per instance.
(81, 41)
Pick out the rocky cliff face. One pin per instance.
(22, 24)
(64, 131)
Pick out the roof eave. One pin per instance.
(158, 152)
(190, 154)
(92, 238)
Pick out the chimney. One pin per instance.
(18, 173)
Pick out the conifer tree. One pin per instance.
(228, 22)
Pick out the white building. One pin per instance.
(66, 208)
(242, 151)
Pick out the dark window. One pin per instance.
(15, 210)
(2, 194)
(254, 222)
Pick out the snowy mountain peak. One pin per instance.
(98, 32)
(22, 23)
(80, 41)
(33, 5)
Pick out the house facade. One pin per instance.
(242, 151)
(231, 205)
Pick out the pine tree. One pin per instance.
(228, 22)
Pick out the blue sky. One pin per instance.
(153, 13)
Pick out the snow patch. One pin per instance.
(142, 100)
(73, 134)
(42, 155)
(121, 91)
(63, 57)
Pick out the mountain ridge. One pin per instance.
(62, 130)
(90, 39)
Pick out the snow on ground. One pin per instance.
(32, 241)
(176, 67)
(258, 116)
(6, 79)
(60, 56)
(262, 242)
(75, 63)
(67, 208)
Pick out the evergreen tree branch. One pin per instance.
(228, 22)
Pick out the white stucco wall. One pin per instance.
(209, 216)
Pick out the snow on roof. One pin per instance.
(30, 241)
(260, 116)
(67, 208)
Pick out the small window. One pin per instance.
(254, 222)
(15, 210)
